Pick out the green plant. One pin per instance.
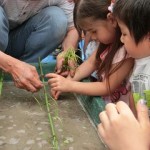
(70, 57)
(50, 118)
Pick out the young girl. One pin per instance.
(110, 60)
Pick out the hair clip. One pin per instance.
(110, 7)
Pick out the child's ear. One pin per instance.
(112, 19)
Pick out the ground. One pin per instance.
(24, 123)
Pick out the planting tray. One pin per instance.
(92, 105)
(24, 122)
(23, 125)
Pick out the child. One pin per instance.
(133, 17)
(110, 60)
(121, 130)
(136, 39)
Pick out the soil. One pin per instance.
(24, 123)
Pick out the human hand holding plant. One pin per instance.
(29, 80)
(25, 76)
(67, 62)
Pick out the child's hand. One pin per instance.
(120, 130)
(55, 94)
(58, 83)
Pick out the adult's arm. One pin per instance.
(71, 38)
(24, 75)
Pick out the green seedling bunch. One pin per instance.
(71, 60)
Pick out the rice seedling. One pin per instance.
(70, 57)
(50, 118)
(37, 101)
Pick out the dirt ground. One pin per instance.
(24, 123)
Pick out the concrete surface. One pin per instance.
(24, 123)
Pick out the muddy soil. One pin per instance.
(24, 123)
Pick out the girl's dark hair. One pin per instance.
(98, 9)
(135, 14)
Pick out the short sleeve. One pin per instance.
(120, 55)
(68, 7)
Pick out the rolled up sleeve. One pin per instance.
(68, 7)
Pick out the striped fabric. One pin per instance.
(19, 11)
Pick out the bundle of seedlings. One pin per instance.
(71, 60)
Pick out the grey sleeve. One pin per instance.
(68, 7)
(2, 2)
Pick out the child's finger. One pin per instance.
(111, 111)
(57, 94)
(53, 93)
(101, 131)
(52, 80)
(142, 113)
(53, 85)
(72, 73)
(123, 108)
(51, 75)
(72, 65)
(54, 89)
(104, 119)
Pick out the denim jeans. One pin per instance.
(37, 37)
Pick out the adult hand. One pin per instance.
(70, 41)
(25, 76)
(55, 94)
(120, 130)
(59, 65)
